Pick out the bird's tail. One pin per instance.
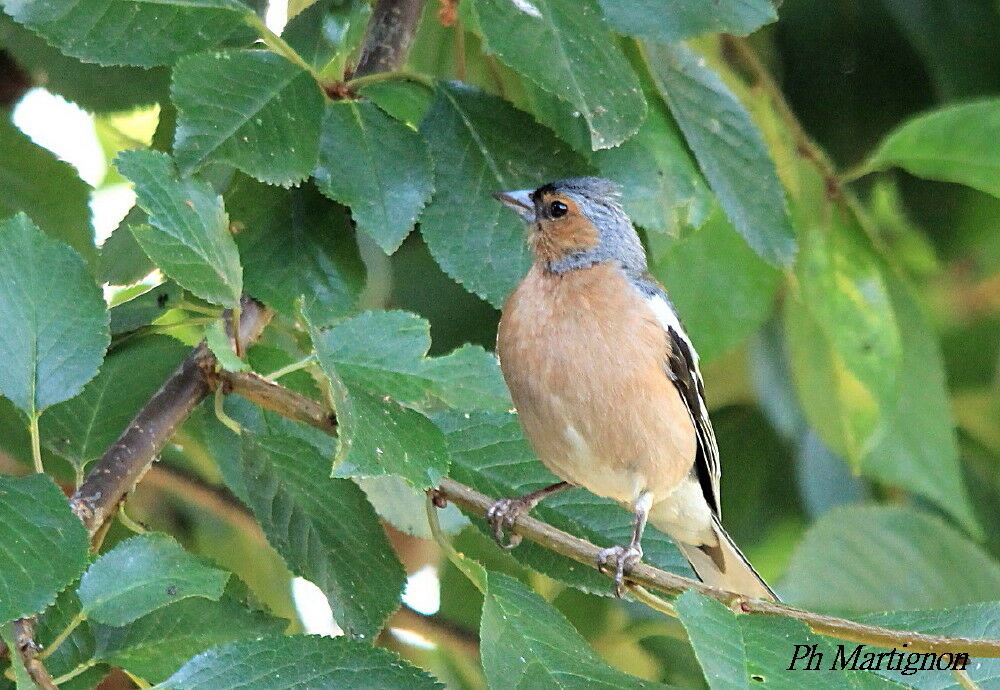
(725, 567)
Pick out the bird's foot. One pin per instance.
(502, 515)
(623, 558)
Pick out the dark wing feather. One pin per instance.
(683, 370)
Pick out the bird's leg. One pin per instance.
(624, 558)
(504, 512)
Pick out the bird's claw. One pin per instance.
(501, 516)
(624, 558)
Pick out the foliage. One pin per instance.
(844, 305)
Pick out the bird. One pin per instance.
(607, 386)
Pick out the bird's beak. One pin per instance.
(520, 201)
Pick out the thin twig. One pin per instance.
(124, 463)
(388, 36)
(277, 398)
(27, 652)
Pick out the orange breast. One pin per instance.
(583, 356)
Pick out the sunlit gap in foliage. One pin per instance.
(423, 591)
(313, 609)
(277, 15)
(68, 131)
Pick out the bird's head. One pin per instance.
(576, 223)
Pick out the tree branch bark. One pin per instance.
(294, 406)
(128, 459)
(277, 398)
(388, 36)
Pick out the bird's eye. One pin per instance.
(558, 209)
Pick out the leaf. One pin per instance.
(21, 678)
(729, 149)
(188, 235)
(105, 31)
(662, 188)
(156, 645)
(915, 445)
(955, 144)
(405, 508)
(47, 189)
(52, 316)
(981, 621)
(83, 428)
(475, 239)
(749, 651)
(219, 343)
(849, 562)
(565, 48)
(376, 165)
(37, 523)
(252, 109)
(842, 286)
(94, 88)
(145, 308)
(122, 261)
(722, 290)
(324, 529)
(298, 662)
(489, 453)
(528, 643)
(296, 244)
(671, 22)
(383, 381)
(326, 32)
(142, 574)
(76, 649)
(957, 43)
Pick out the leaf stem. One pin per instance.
(277, 44)
(73, 673)
(220, 413)
(36, 443)
(361, 82)
(442, 539)
(62, 637)
(294, 366)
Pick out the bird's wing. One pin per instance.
(682, 367)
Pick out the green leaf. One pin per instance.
(53, 317)
(47, 189)
(188, 235)
(914, 445)
(107, 31)
(296, 244)
(252, 109)
(324, 529)
(849, 561)
(219, 343)
(94, 88)
(156, 645)
(981, 621)
(526, 643)
(671, 22)
(76, 649)
(83, 428)
(662, 188)
(122, 261)
(729, 149)
(384, 352)
(475, 239)
(142, 574)
(298, 662)
(565, 48)
(145, 308)
(326, 32)
(21, 678)
(489, 453)
(405, 508)
(954, 144)
(722, 290)
(376, 165)
(37, 523)
(749, 651)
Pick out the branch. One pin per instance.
(27, 650)
(277, 398)
(388, 36)
(295, 406)
(128, 459)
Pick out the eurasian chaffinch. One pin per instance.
(606, 382)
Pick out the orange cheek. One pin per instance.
(554, 238)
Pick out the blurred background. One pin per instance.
(851, 70)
